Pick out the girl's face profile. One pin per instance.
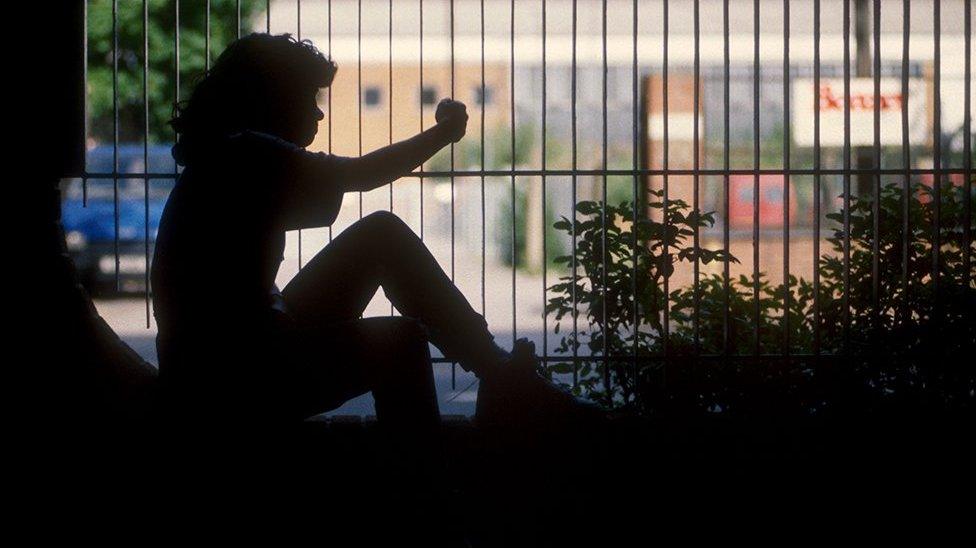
(300, 117)
(311, 119)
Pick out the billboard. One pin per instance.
(829, 100)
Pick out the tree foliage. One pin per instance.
(162, 75)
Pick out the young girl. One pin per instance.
(228, 340)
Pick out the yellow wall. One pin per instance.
(406, 103)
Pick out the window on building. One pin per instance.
(485, 99)
(428, 95)
(371, 96)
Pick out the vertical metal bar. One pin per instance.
(359, 91)
(847, 177)
(666, 250)
(115, 135)
(359, 87)
(573, 210)
(876, 206)
(206, 39)
(298, 22)
(452, 151)
(176, 68)
(817, 191)
(967, 143)
(421, 170)
(603, 218)
(451, 6)
(390, 97)
(787, 163)
(390, 101)
(937, 154)
(635, 141)
(329, 91)
(755, 178)
(481, 152)
(906, 160)
(84, 72)
(145, 149)
(545, 317)
(512, 108)
(726, 238)
(696, 161)
(267, 15)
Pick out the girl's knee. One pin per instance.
(389, 233)
(385, 222)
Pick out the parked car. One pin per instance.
(91, 228)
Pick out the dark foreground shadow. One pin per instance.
(635, 482)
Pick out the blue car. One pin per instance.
(90, 230)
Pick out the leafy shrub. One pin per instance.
(909, 340)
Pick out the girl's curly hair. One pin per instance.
(241, 89)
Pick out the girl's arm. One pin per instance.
(385, 165)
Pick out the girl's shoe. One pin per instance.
(517, 393)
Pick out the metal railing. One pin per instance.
(641, 173)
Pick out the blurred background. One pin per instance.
(516, 65)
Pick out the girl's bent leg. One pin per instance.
(381, 250)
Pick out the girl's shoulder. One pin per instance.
(250, 140)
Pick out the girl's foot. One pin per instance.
(517, 392)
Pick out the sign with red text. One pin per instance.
(829, 101)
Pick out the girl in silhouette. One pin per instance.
(228, 338)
